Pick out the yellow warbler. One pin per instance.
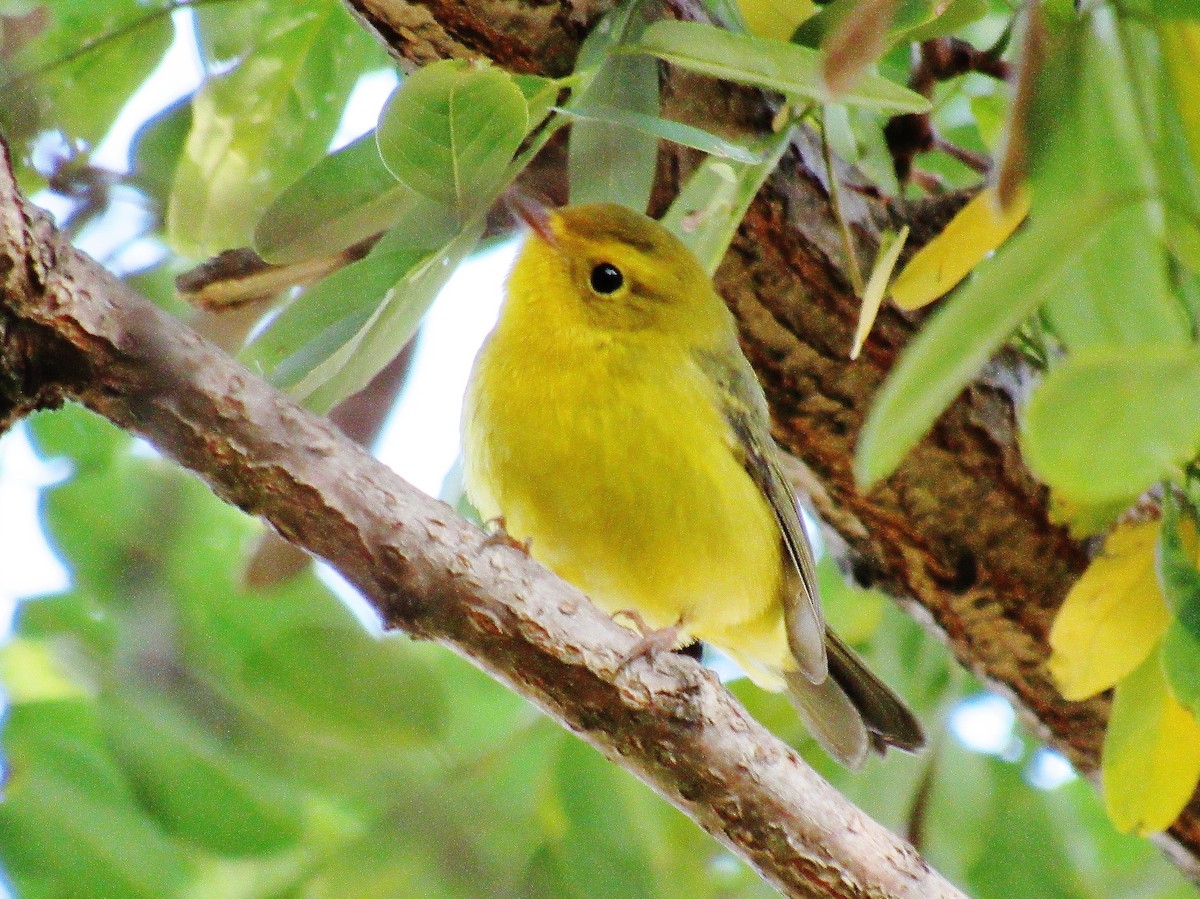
(612, 421)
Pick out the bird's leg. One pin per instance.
(498, 535)
(663, 639)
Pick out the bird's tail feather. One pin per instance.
(852, 711)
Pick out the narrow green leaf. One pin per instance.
(327, 315)
(966, 331)
(776, 65)
(676, 132)
(959, 14)
(320, 332)
(388, 329)
(1181, 665)
(1176, 9)
(450, 130)
(1088, 91)
(347, 196)
(614, 161)
(1176, 562)
(711, 205)
(1097, 302)
(1109, 422)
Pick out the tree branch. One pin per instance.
(69, 329)
(961, 529)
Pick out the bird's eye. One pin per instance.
(607, 278)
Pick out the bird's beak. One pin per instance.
(535, 215)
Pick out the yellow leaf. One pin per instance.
(1151, 758)
(30, 671)
(885, 261)
(775, 18)
(1112, 618)
(1181, 52)
(977, 229)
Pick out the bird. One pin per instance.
(615, 428)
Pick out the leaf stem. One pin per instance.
(856, 279)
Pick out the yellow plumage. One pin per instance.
(623, 434)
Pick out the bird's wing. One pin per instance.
(745, 409)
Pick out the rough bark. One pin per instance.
(69, 329)
(960, 532)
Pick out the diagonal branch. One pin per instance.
(961, 529)
(70, 330)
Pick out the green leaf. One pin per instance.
(1181, 665)
(1178, 575)
(712, 203)
(1176, 9)
(614, 161)
(69, 820)
(1109, 422)
(776, 65)
(156, 148)
(1177, 150)
(405, 704)
(958, 15)
(386, 329)
(191, 776)
(322, 328)
(258, 126)
(540, 96)
(327, 316)
(1096, 302)
(1086, 92)
(346, 197)
(597, 859)
(450, 130)
(967, 330)
(86, 65)
(676, 132)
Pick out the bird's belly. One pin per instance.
(638, 510)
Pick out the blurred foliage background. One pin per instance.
(172, 731)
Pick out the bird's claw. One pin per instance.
(663, 639)
(496, 534)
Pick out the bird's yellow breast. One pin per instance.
(611, 456)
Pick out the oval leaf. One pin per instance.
(450, 130)
(1112, 618)
(1151, 757)
(1109, 422)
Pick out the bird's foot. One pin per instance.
(498, 535)
(663, 639)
